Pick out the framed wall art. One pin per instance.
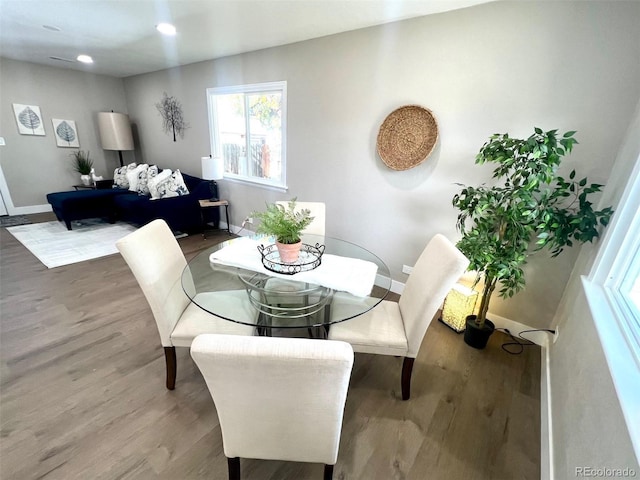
(29, 119)
(66, 133)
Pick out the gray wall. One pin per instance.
(33, 165)
(499, 67)
(588, 427)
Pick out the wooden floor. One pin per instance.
(82, 393)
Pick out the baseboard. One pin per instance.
(31, 209)
(236, 230)
(546, 437)
(397, 287)
(515, 328)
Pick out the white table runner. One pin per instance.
(351, 275)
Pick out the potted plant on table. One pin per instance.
(83, 165)
(529, 202)
(286, 225)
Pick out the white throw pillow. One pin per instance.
(143, 179)
(157, 180)
(120, 176)
(133, 176)
(173, 186)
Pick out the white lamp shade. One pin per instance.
(115, 131)
(212, 168)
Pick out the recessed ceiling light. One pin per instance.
(53, 28)
(84, 59)
(166, 29)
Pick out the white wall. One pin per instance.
(588, 426)
(499, 67)
(33, 165)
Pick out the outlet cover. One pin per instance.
(407, 269)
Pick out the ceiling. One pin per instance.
(121, 38)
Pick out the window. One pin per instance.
(613, 293)
(247, 124)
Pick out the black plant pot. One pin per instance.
(477, 337)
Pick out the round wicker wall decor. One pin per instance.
(407, 137)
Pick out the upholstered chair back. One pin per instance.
(440, 265)
(318, 212)
(157, 262)
(277, 398)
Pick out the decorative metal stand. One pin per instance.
(278, 304)
(310, 257)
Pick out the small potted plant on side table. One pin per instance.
(83, 165)
(529, 201)
(286, 225)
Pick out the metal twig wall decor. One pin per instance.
(172, 117)
(407, 137)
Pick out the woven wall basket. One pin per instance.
(407, 137)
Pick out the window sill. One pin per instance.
(256, 183)
(622, 360)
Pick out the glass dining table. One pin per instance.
(247, 268)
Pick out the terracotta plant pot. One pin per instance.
(289, 251)
(477, 337)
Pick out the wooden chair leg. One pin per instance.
(234, 468)
(328, 472)
(407, 368)
(172, 366)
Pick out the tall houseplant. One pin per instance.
(286, 224)
(528, 202)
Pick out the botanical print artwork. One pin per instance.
(66, 133)
(29, 119)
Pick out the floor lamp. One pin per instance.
(115, 132)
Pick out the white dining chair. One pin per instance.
(276, 398)
(318, 212)
(156, 260)
(398, 328)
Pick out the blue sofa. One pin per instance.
(181, 213)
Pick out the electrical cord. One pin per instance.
(516, 347)
(244, 224)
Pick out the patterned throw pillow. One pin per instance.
(173, 186)
(143, 179)
(157, 180)
(133, 176)
(120, 176)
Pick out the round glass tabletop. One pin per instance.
(230, 280)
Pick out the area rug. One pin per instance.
(14, 220)
(55, 246)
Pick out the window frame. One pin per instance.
(215, 141)
(615, 315)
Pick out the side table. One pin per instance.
(204, 204)
(98, 185)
